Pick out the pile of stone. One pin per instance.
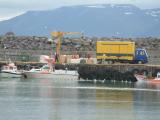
(70, 46)
(78, 44)
(24, 42)
(148, 43)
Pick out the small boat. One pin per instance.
(10, 71)
(46, 72)
(156, 80)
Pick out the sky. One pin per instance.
(11, 8)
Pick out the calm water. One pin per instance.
(60, 99)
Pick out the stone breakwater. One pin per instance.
(34, 46)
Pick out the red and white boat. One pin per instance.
(156, 80)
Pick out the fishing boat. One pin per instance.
(10, 71)
(156, 80)
(47, 72)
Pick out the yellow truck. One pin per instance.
(120, 51)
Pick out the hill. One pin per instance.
(120, 20)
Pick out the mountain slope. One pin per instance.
(93, 20)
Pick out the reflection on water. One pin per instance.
(60, 99)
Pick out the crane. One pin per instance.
(59, 35)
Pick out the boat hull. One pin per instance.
(56, 74)
(154, 81)
(10, 75)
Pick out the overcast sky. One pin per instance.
(10, 8)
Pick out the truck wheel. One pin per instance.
(140, 62)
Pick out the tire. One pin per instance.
(140, 62)
(135, 71)
(144, 72)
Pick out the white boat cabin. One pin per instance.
(9, 67)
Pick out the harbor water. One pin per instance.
(70, 99)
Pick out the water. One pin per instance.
(60, 99)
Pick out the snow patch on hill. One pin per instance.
(96, 6)
(128, 13)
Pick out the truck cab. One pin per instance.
(141, 56)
